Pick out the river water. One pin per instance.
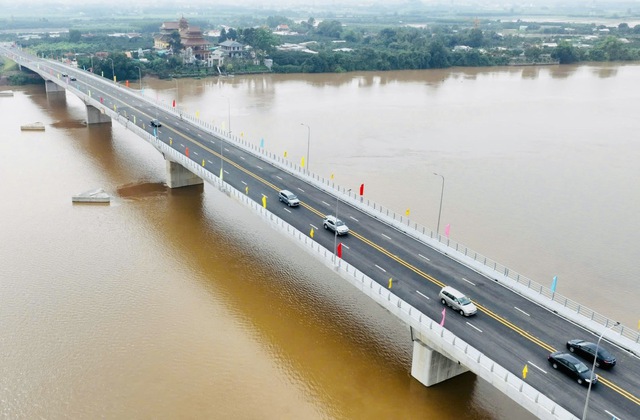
(180, 304)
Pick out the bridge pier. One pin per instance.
(178, 176)
(430, 367)
(96, 116)
(52, 87)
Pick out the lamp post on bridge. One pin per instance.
(308, 145)
(140, 76)
(440, 210)
(593, 368)
(113, 71)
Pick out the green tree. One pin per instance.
(475, 38)
(330, 28)
(175, 43)
(566, 53)
(74, 35)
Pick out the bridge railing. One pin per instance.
(491, 268)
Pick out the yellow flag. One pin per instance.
(302, 162)
(197, 114)
(524, 372)
(390, 282)
(246, 190)
(407, 212)
(202, 162)
(170, 141)
(134, 119)
(264, 201)
(114, 107)
(331, 176)
(220, 173)
(311, 233)
(285, 153)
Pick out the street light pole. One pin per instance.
(593, 368)
(140, 77)
(440, 211)
(113, 72)
(308, 144)
(335, 233)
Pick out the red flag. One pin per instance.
(186, 152)
(174, 103)
(361, 189)
(444, 311)
(126, 83)
(339, 250)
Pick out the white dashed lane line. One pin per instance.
(518, 309)
(422, 294)
(540, 369)
(474, 327)
(470, 282)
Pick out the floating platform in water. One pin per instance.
(6, 93)
(36, 126)
(93, 196)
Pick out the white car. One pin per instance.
(336, 225)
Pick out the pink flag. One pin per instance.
(447, 229)
(444, 311)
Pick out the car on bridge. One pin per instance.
(457, 300)
(571, 366)
(336, 225)
(73, 79)
(587, 350)
(155, 123)
(288, 198)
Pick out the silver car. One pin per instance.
(288, 198)
(336, 225)
(458, 301)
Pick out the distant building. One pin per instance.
(194, 45)
(231, 48)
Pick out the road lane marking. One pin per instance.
(385, 236)
(518, 309)
(539, 368)
(243, 183)
(422, 256)
(380, 268)
(314, 227)
(286, 209)
(474, 327)
(344, 245)
(279, 177)
(210, 162)
(470, 282)
(354, 219)
(259, 167)
(241, 157)
(423, 295)
(300, 189)
(326, 204)
(613, 416)
(195, 153)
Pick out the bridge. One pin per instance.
(398, 264)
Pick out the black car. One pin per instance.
(587, 350)
(573, 367)
(73, 79)
(155, 123)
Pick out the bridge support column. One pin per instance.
(96, 116)
(430, 367)
(178, 176)
(52, 87)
